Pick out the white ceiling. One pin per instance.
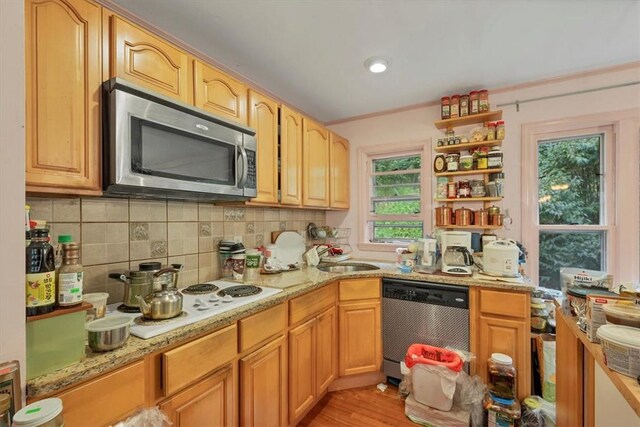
(311, 53)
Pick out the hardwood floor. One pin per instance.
(358, 407)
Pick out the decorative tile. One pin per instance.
(283, 225)
(250, 228)
(105, 210)
(158, 248)
(147, 210)
(204, 229)
(182, 211)
(66, 210)
(259, 239)
(139, 230)
(234, 214)
(41, 209)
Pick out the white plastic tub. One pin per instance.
(621, 347)
(434, 386)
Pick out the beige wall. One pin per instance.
(12, 312)
(417, 124)
(117, 234)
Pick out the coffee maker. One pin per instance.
(456, 256)
(426, 262)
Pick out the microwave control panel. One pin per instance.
(251, 175)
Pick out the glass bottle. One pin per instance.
(62, 239)
(40, 275)
(5, 405)
(70, 276)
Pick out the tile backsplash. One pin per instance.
(117, 234)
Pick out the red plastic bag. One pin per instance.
(428, 355)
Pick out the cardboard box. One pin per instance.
(595, 314)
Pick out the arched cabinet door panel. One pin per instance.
(219, 93)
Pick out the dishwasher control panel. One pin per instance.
(425, 292)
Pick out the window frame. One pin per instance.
(366, 155)
(532, 136)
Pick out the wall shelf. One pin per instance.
(469, 227)
(466, 146)
(471, 172)
(470, 199)
(468, 120)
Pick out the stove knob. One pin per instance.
(198, 302)
(227, 298)
(203, 307)
(214, 298)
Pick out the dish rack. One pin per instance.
(337, 239)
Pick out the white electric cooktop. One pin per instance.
(199, 302)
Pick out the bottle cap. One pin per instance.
(501, 359)
(39, 232)
(65, 238)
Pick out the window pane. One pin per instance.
(570, 180)
(569, 249)
(397, 163)
(395, 231)
(397, 207)
(396, 185)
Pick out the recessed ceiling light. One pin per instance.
(376, 64)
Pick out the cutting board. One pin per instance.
(290, 247)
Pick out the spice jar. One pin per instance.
(474, 102)
(491, 131)
(500, 130)
(464, 105)
(466, 162)
(539, 315)
(40, 275)
(441, 142)
(481, 160)
(455, 106)
(452, 162)
(477, 188)
(439, 163)
(501, 412)
(494, 158)
(445, 110)
(464, 189)
(441, 187)
(502, 376)
(483, 101)
(452, 190)
(70, 276)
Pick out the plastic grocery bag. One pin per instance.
(148, 417)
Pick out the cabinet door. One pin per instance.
(263, 386)
(219, 93)
(207, 403)
(290, 157)
(510, 337)
(263, 117)
(339, 163)
(63, 76)
(327, 348)
(315, 164)
(302, 369)
(360, 338)
(148, 61)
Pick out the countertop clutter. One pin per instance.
(292, 284)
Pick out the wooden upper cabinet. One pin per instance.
(63, 77)
(148, 61)
(263, 118)
(290, 157)
(315, 164)
(339, 178)
(219, 93)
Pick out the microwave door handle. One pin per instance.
(245, 167)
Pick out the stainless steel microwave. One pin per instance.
(158, 147)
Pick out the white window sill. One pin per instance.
(381, 247)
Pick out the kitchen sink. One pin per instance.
(346, 267)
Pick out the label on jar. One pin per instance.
(452, 165)
(484, 105)
(474, 107)
(464, 191)
(497, 419)
(41, 289)
(495, 161)
(70, 288)
(452, 190)
(464, 109)
(454, 110)
(446, 112)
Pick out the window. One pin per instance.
(572, 225)
(394, 209)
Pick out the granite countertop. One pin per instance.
(292, 283)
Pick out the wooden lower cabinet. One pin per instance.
(263, 386)
(326, 348)
(360, 337)
(569, 375)
(211, 402)
(302, 369)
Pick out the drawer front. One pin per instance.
(192, 361)
(356, 289)
(107, 399)
(504, 303)
(313, 303)
(262, 326)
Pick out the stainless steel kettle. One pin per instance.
(163, 304)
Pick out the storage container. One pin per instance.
(43, 413)
(623, 313)
(621, 347)
(502, 376)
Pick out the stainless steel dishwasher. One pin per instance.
(421, 312)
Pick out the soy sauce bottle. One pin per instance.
(41, 274)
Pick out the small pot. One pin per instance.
(463, 216)
(493, 210)
(481, 217)
(443, 216)
(137, 283)
(109, 333)
(495, 219)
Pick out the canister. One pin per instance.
(481, 218)
(452, 162)
(463, 216)
(443, 216)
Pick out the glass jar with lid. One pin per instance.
(500, 131)
(453, 159)
(494, 158)
(464, 189)
(502, 412)
(483, 101)
(502, 376)
(481, 160)
(464, 105)
(491, 131)
(455, 106)
(539, 315)
(466, 162)
(445, 109)
(474, 100)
